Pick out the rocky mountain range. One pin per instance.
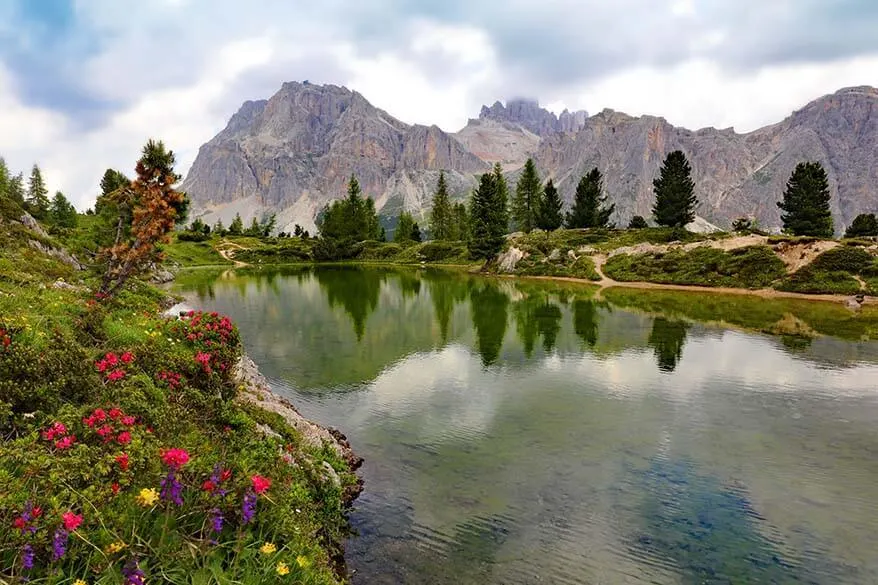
(294, 153)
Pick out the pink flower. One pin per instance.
(105, 431)
(123, 438)
(208, 486)
(71, 521)
(175, 458)
(65, 443)
(127, 357)
(122, 460)
(115, 414)
(202, 358)
(260, 483)
(128, 421)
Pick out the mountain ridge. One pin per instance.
(294, 152)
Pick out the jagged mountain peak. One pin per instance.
(294, 152)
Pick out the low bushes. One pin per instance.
(748, 267)
(834, 271)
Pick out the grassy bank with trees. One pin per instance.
(134, 447)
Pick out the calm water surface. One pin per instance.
(521, 432)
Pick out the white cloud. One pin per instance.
(178, 69)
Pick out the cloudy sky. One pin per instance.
(83, 83)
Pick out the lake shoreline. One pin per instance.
(765, 293)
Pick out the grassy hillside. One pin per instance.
(127, 449)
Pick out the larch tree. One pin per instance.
(236, 228)
(61, 212)
(589, 205)
(528, 196)
(37, 195)
(404, 225)
(156, 207)
(674, 189)
(441, 216)
(805, 202)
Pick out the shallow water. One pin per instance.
(524, 432)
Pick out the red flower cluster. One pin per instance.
(122, 461)
(71, 521)
(203, 359)
(58, 432)
(5, 338)
(172, 379)
(105, 424)
(260, 483)
(175, 458)
(108, 365)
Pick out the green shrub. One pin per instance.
(843, 259)
(749, 267)
(812, 281)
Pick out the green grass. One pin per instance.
(194, 253)
(749, 267)
(583, 267)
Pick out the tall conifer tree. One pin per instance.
(806, 202)
(441, 217)
(528, 196)
(37, 194)
(550, 217)
(589, 209)
(674, 189)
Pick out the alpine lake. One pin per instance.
(523, 432)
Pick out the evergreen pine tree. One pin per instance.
(460, 223)
(236, 228)
(404, 226)
(588, 205)
(37, 195)
(441, 216)
(61, 212)
(528, 196)
(416, 233)
(501, 203)
(488, 218)
(806, 202)
(550, 217)
(675, 199)
(15, 189)
(219, 229)
(254, 230)
(864, 224)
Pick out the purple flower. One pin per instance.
(217, 480)
(172, 489)
(27, 557)
(132, 572)
(248, 508)
(59, 544)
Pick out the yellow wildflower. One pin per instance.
(115, 547)
(79, 582)
(303, 561)
(282, 569)
(267, 548)
(147, 497)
